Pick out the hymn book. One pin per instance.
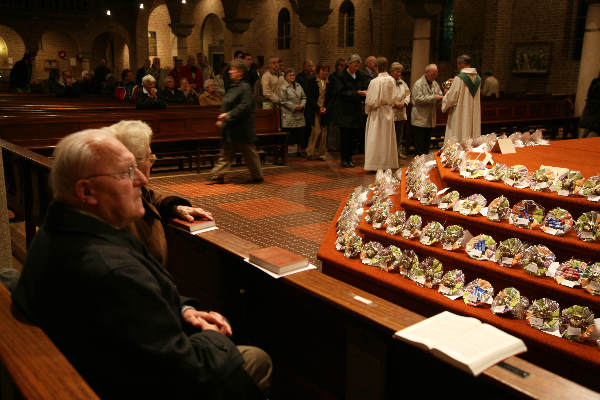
(196, 225)
(277, 260)
(464, 342)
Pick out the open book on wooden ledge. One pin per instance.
(277, 260)
(197, 225)
(464, 342)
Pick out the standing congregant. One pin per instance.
(380, 136)
(462, 102)
(426, 93)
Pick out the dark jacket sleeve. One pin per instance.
(144, 101)
(244, 105)
(164, 204)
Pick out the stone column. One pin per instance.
(420, 52)
(313, 43)
(237, 26)
(590, 57)
(314, 15)
(182, 31)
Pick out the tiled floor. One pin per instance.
(292, 209)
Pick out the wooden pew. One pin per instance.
(32, 367)
(328, 339)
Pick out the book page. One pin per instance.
(464, 339)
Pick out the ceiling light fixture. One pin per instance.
(142, 6)
(107, 12)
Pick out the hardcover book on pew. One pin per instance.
(277, 260)
(464, 342)
(197, 225)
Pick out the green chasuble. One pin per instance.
(473, 86)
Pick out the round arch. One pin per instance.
(12, 46)
(162, 43)
(57, 50)
(213, 39)
(114, 49)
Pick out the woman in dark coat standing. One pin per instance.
(590, 119)
(237, 127)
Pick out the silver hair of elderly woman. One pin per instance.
(147, 79)
(208, 82)
(135, 135)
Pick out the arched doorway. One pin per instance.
(162, 43)
(114, 49)
(213, 39)
(57, 50)
(12, 47)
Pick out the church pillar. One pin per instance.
(590, 56)
(420, 52)
(182, 31)
(237, 26)
(314, 15)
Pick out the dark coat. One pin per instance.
(149, 228)
(311, 90)
(590, 118)
(348, 103)
(144, 101)
(115, 313)
(238, 104)
(20, 74)
(172, 97)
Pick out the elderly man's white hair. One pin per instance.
(430, 66)
(135, 135)
(74, 157)
(147, 79)
(208, 82)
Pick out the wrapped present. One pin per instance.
(481, 247)
(590, 279)
(395, 222)
(391, 262)
(478, 292)
(569, 273)
(499, 209)
(453, 237)
(527, 214)
(473, 169)
(542, 179)
(569, 183)
(517, 176)
(497, 173)
(557, 222)
(369, 254)
(412, 227)
(577, 323)
(510, 252)
(509, 300)
(472, 205)
(427, 273)
(591, 188)
(452, 283)
(448, 200)
(408, 261)
(428, 194)
(543, 314)
(449, 152)
(537, 259)
(352, 245)
(431, 233)
(588, 226)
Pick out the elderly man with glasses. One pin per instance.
(108, 305)
(136, 136)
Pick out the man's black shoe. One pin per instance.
(351, 164)
(345, 164)
(219, 179)
(255, 181)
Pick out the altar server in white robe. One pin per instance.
(462, 103)
(381, 150)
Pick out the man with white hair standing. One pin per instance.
(271, 81)
(426, 93)
(462, 103)
(106, 303)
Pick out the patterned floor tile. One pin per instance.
(335, 194)
(295, 178)
(264, 208)
(202, 189)
(314, 232)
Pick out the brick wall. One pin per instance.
(52, 43)
(166, 42)
(14, 45)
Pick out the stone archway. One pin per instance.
(114, 49)
(161, 38)
(58, 50)
(213, 40)
(12, 47)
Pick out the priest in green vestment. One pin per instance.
(462, 103)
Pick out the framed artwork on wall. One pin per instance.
(50, 64)
(532, 58)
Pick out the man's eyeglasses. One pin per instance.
(128, 173)
(151, 159)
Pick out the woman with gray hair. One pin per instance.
(148, 96)
(209, 97)
(293, 101)
(136, 136)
